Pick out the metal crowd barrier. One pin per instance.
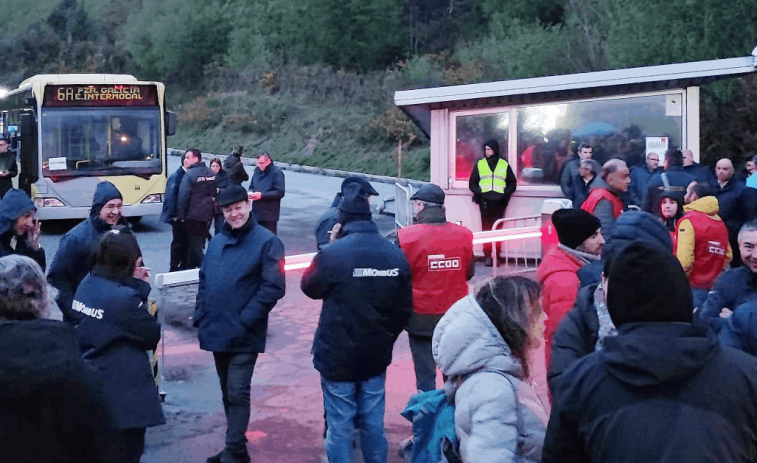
(520, 254)
(403, 207)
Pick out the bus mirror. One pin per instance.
(170, 123)
(27, 124)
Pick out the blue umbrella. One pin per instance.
(593, 128)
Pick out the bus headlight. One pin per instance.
(48, 202)
(152, 199)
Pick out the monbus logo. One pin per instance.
(372, 272)
(438, 262)
(94, 313)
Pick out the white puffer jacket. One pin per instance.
(493, 423)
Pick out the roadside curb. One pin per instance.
(314, 170)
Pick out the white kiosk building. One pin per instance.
(539, 122)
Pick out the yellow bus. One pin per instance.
(72, 131)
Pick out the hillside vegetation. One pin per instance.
(313, 82)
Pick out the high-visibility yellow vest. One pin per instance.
(492, 181)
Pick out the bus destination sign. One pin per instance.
(100, 95)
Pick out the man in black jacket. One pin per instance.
(733, 210)
(241, 280)
(76, 253)
(195, 206)
(655, 392)
(233, 165)
(267, 189)
(492, 182)
(179, 239)
(8, 167)
(365, 283)
(329, 218)
(674, 179)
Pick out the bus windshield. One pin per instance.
(100, 141)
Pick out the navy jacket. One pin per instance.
(14, 205)
(241, 279)
(76, 251)
(115, 332)
(172, 196)
(51, 408)
(640, 176)
(326, 222)
(671, 386)
(197, 192)
(365, 283)
(569, 172)
(678, 180)
(732, 288)
(271, 183)
(581, 190)
(630, 226)
(732, 209)
(576, 336)
(702, 174)
(740, 329)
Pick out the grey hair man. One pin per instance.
(640, 176)
(736, 285)
(605, 199)
(674, 180)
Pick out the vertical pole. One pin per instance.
(399, 158)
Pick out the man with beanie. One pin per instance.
(365, 283)
(241, 279)
(441, 261)
(329, 218)
(168, 215)
(76, 252)
(19, 230)
(581, 242)
(655, 392)
(584, 328)
(606, 198)
(492, 182)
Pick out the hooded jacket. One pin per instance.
(271, 184)
(499, 199)
(655, 393)
(197, 192)
(365, 283)
(497, 419)
(732, 288)
(702, 242)
(76, 251)
(115, 332)
(15, 204)
(241, 279)
(51, 408)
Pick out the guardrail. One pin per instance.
(516, 250)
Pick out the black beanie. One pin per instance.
(646, 283)
(574, 226)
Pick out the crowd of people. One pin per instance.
(649, 335)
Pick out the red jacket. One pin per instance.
(558, 275)
(439, 257)
(591, 201)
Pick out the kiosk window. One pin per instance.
(548, 135)
(471, 133)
